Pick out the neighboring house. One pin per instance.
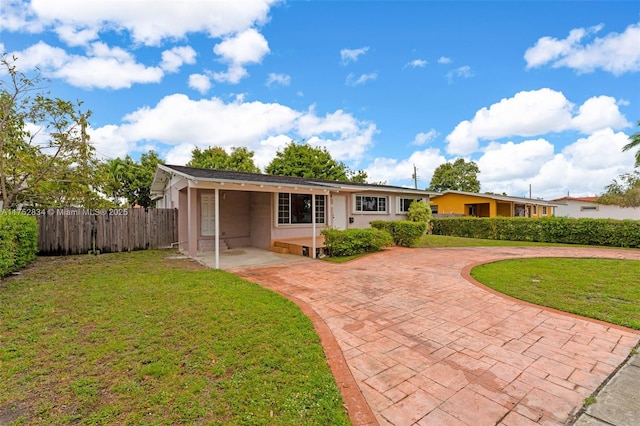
(219, 209)
(579, 207)
(458, 203)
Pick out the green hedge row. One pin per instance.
(355, 241)
(404, 232)
(602, 232)
(18, 242)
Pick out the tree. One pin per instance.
(240, 159)
(458, 176)
(46, 158)
(624, 191)
(634, 143)
(129, 180)
(303, 160)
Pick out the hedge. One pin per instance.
(602, 232)
(405, 233)
(18, 242)
(354, 241)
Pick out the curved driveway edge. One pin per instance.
(427, 347)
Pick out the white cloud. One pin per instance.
(247, 47)
(212, 122)
(351, 55)
(614, 53)
(73, 36)
(461, 72)
(424, 138)
(444, 60)
(416, 63)
(581, 168)
(148, 24)
(398, 172)
(174, 58)
(354, 81)
(200, 82)
(531, 113)
(598, 113)
(281, 79)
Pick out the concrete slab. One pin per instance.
(635, 360)
(618, 403)
(585, 420)
(247, 257)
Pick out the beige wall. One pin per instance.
(261, 219)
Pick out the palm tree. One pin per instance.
(635, 143)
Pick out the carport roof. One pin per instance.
(214, 175)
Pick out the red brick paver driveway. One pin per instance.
(428, 347)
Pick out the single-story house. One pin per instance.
(581, 207)
(227, 209)
(459, 203)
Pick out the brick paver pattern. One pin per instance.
(427, 347)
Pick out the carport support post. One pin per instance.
(217, 231)
(313, 225)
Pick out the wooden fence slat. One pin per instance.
(78, 231)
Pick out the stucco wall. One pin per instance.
(575, 209)
(261, 219)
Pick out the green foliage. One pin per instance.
(602, 232)
(303, 160)
(405, 233)
(354, 241)
(634, 142)
(129, 180)
(457, 176)
(240, 159)
(18, 242)
(419, 211)
(46, 158)
(624, 191)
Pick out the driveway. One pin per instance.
(427, 346)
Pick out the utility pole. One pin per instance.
(415, 177)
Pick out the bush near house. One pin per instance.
(18, 242)
(355, 241)
(602, 232)
(405, 233)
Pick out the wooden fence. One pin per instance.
(80, 231)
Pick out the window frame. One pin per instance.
(399, 203)
(381, 200)
(284, 209)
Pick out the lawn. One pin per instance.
(142, 338)
(604, 289)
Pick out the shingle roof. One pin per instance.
(227, 175)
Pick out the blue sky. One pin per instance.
(540, 94)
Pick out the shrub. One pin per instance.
(404, 232)
(419, 211)
(603, 232)
(18, 242)
(355, 241)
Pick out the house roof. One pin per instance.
(213, 175)
(497, 197)
(582, 199)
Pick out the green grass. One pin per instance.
(604, 289)
(137, 338)
(433, 241)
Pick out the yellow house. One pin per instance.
(458, 203)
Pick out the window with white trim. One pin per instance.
(296, 208)
(207, 215)
(370, 204)
(544, 210)
(403, 204)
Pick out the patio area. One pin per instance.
(248, 257)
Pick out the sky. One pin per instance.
(541, 95)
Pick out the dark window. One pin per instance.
(296, 208)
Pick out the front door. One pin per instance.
(339, 211)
